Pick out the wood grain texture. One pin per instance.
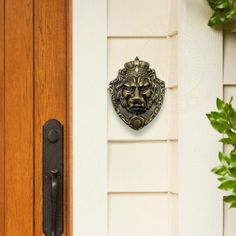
(18, 118)
(69, 119)
(50, 87)
(2, 115)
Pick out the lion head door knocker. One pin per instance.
(137, 94)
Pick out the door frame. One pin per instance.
(200, 58)
(90, 123)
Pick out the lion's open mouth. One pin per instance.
(138, 107)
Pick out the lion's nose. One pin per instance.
(136, 97)
(137, 100)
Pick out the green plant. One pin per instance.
(224, 12)
(224, 121)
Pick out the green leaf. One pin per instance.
(234, 190)
(227, 141)
(219, 4)
(229, 15)
(233, 118)
(224, 11)
(219, 170)
(218, 126)
(224, 123)
(233, 205)
(232, 165)
(231, 134)
(226, 108)
(217, 115)
(225, 161)
(219, 103)
(222, 6)
(233, 156)
(223, 178)
(230, 199)
(210, 117)
(220, 17)
(227, 185)
(217, 18)
(232, 171)
(212, 3)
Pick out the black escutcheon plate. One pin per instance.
(53, 178)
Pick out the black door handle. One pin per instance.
(54, 199)
(53, 178)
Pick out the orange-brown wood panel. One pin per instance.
(2, 173)
(69, 118)
(19, 174)
(51, 85)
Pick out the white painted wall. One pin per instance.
(142, 186)
(142, 166)
(127, 182)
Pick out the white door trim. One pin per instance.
(90, 117)
(200, 82)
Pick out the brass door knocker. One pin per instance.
(137, 94)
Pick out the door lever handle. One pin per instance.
(53, 178)
(54, 199)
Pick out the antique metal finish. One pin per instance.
(53, 178)
(137, 94)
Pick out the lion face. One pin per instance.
(136, 91)
(137, 94)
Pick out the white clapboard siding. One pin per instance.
(230, 91)
(137, 18)
(143, 165)
(125, 182)
(173, 160)
(138, 167)
(152, 50)
(173, 17)
(172, 80)
(174, 215)
(173, 114)
(229, 221)
(141, 214)
(229, 58)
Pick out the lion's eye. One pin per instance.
(129, 89)
(144, 88)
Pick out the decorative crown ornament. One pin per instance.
(137, 94)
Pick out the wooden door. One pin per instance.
(34, 87)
